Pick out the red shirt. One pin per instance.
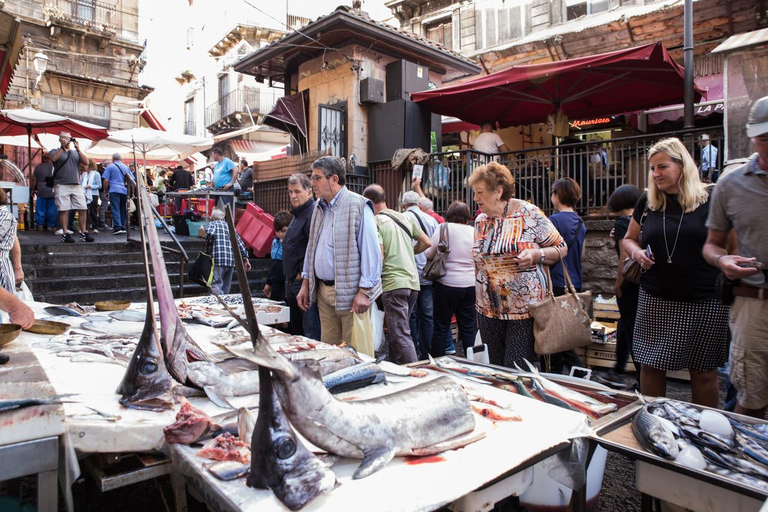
(438, 218)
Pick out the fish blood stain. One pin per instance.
(430, 459)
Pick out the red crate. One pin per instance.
(256, 228)
(202, 206)
(166, 210)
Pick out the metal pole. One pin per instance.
(31, 206)
(688, 63)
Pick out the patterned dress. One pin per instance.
(503, 291)
(7, 238)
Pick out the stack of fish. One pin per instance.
(705, 440)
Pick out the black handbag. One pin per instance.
(49, 180)
(435, 267)
(201, 271)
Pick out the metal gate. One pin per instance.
(332, 131)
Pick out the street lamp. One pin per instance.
(40, 62)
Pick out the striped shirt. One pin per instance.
(222, 249)
(503, 291)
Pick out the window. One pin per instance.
(81, 108)
(189, 117)
(101, 111)
(67, 105)
(441, 33)
(84, 9)
(577, 8)
(332, 132)
(224, 95)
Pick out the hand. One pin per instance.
(730, 267)
(639, 256)
(613, 235)
(617, 290)
(416, 183)
(19, 273)
(268, 290)
(247, 264)
(527, 258)
(227, 186)
(22, 315)
(361, 303)
(303, 297)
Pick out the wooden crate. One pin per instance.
(606, 313)
(603, 355)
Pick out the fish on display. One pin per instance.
(331, 360)
(61, 311)
(112, 327)
(128, 315)
(228, 469)
(191, 425)
(246, 422)
(753, 448)
(147, 383)
(280, 461)
(757, 483)
(354, 377)
(226, 447)
(219, 383)
(11, 404)
(654, 435)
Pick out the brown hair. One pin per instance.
(282, 219)
(495, 175)
(568, 192)
(3, 197)
(458, 213)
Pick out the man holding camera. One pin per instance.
(67, 190)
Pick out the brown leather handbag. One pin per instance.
(631, 269)
(561, 323)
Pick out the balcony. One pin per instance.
(231, 111)
(92, 17)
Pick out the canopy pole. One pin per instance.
(31, 209)
(688, 64)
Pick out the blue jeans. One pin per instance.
(422, 321)
(46, 213)
(117, 203)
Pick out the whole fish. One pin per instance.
(739, 477)
(128, 315)
(279, 460)
(429, 418)
(737, 464)
(227, 469)
(331, 360)
(61, 311)
(654, 435)
(354, 377)
(178, 347)
(111, 327)
(20, 403)
(219, 384)
(147, 383)
(756, 431)
(752, 448)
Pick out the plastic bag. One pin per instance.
(377, 325)
(362, 333)
(23, 292)
(131, 206)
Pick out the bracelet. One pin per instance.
(717, 260)
(541, 252)
(633, 253)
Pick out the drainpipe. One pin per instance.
(688, 64)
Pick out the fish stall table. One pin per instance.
(508, 449)
(693, 489)
(29, 437)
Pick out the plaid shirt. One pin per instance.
(222, 248)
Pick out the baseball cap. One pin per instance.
(704, 137)
(757, 122)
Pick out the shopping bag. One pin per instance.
(201, 271)
(377, 325)
(23, 292)
(362, 333)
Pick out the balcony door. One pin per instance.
(332, 129)
(224, 95)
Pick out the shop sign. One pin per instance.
(583, 123)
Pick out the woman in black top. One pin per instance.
(680, 322)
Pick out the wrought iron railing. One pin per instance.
(259, 101)
(96, 15)
(272, 195)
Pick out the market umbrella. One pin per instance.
(290, 114)
(610, 83)
(152, 144)
(29, 122)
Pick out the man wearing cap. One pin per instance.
(740, 203)
(114, 181)
(708, 166)
(67, 190)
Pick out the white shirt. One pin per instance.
(459, 265)
(488, 142)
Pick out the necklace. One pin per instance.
(666, 245)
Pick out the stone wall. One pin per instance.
(600, 264)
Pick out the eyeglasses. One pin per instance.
(315, 178)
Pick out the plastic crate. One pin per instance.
(256, 228)
(202, 206)
(194, 227)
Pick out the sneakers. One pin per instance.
(60, 231)
(86, 237)
(119, 232)
(103, 227)
(94, 230)
(67, 238)
(450, 352)
(614, 380)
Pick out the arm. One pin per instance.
(416, 184)
(235, 172)
(370, 260)
(57, 154)
(630, 246)
(83, 159)
(15, 256)
(503, 148)
(715, 254)
(422, 244)
(19, 312)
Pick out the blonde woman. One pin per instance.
(680, 322)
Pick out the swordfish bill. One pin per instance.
(147, 383)
(178, 347)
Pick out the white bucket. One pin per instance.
(547, 495)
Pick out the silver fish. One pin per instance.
(110, 327)
(61, 311)
(219, 384)
(752, 447)
(246, 422)
(20, 403)
(354, 377)
(739, 477)
(128, 315)
(227, 470)
(654, 435)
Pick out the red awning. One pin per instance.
(712, 84)
(152, 121)
(610, 83)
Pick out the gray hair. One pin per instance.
(116, 156)
(330, 165)
(427, 203)
(217, 214)
(409, 198)
(300, 179)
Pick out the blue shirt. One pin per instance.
(573, 230)
(367, 241)
(708, 158)
(428, 225)
(277, 249)
(222, 172)
(115, 174)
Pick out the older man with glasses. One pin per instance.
(342, 265)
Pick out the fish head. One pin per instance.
(309, 368)
(146, 383)
(665, 444)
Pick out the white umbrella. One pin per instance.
(154, 145)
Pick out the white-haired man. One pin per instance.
(740, 203)
(422, 317)
(68, 192)
(425, 203)
(222, 253)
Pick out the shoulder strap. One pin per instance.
(423, 228)
(57, 168)
(407, 231)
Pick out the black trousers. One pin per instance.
(451, 301)
(626, 326)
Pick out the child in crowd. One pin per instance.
(275, 287)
